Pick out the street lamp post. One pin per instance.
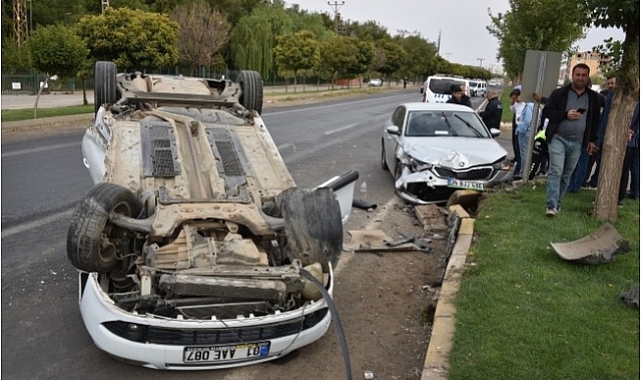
(67, 18)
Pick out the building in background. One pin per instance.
(594, 61)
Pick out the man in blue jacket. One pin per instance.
(573, 112)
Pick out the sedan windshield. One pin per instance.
(444, 123)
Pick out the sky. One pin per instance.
(461, 23)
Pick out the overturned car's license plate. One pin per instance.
(225, 353)
(453, 182)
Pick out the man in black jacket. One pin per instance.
(493, 111)
(573, 112)
(458, 96)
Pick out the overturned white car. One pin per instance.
(195, 248)
(433, 149)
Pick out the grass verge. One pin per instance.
(524, 313)
(27, 113)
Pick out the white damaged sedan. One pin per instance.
(434, 149)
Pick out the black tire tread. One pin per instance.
(104, 84)
(88, 221)
(251, 85)
(383, 162)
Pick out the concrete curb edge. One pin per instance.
(436, 365)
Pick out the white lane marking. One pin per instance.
(371, 225)
(285, 146)
(327, 106)
(41, 149)
(35, 224)
(341, 129)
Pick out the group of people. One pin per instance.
(575, 118)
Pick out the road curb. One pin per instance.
(436, 365)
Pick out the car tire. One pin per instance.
(383, 162)
(92, 240)
(398, 171)
(105, 91)
(251, 86)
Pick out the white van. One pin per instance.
(478, 88)
(437, 89)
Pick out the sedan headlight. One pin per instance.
(503, 164)
(418, 165)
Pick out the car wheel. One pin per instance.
(398, 171)
(105, 91)
(93, 242)
(313, 225)
(251, 86)
(383, 162)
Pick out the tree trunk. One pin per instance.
(84, 92)
(614, 146)
(295, 82)
(619, 120)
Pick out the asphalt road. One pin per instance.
(43, 336)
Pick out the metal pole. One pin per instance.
(535, 118)
(30, 16)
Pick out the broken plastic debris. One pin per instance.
(600, 247)
(369, 375)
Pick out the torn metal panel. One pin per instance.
(601, 247)
(631, 298)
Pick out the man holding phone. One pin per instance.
(573, 112)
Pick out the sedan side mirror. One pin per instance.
(393, 130)
(495, 132)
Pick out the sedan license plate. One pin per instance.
(225, 353)
(453, 182)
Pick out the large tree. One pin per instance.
(420, 60)
(337, 55)
(625, 15)
(56, 50)
(254, 37)
(389, 57)
(549, 25)
(203, 32)
(295, 52)
(134, 40)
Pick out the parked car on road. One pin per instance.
(478, 88)
(434, 149)
(195, 248)
(376, 82)
(438, 89)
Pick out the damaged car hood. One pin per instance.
(446, 151)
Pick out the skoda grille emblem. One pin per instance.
(461, 164)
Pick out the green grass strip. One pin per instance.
(27, 113)
(524, 313)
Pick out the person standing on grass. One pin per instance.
(631, 161)
(607, 104)
(516, 106)
(493, 111)
(573, 112)
(523, 134)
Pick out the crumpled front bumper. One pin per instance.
(285, 331)
(427, 187)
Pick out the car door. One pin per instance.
(391, 141)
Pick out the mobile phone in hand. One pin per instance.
(581, 110)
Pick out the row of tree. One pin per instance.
(555, 25)
(257, 35)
